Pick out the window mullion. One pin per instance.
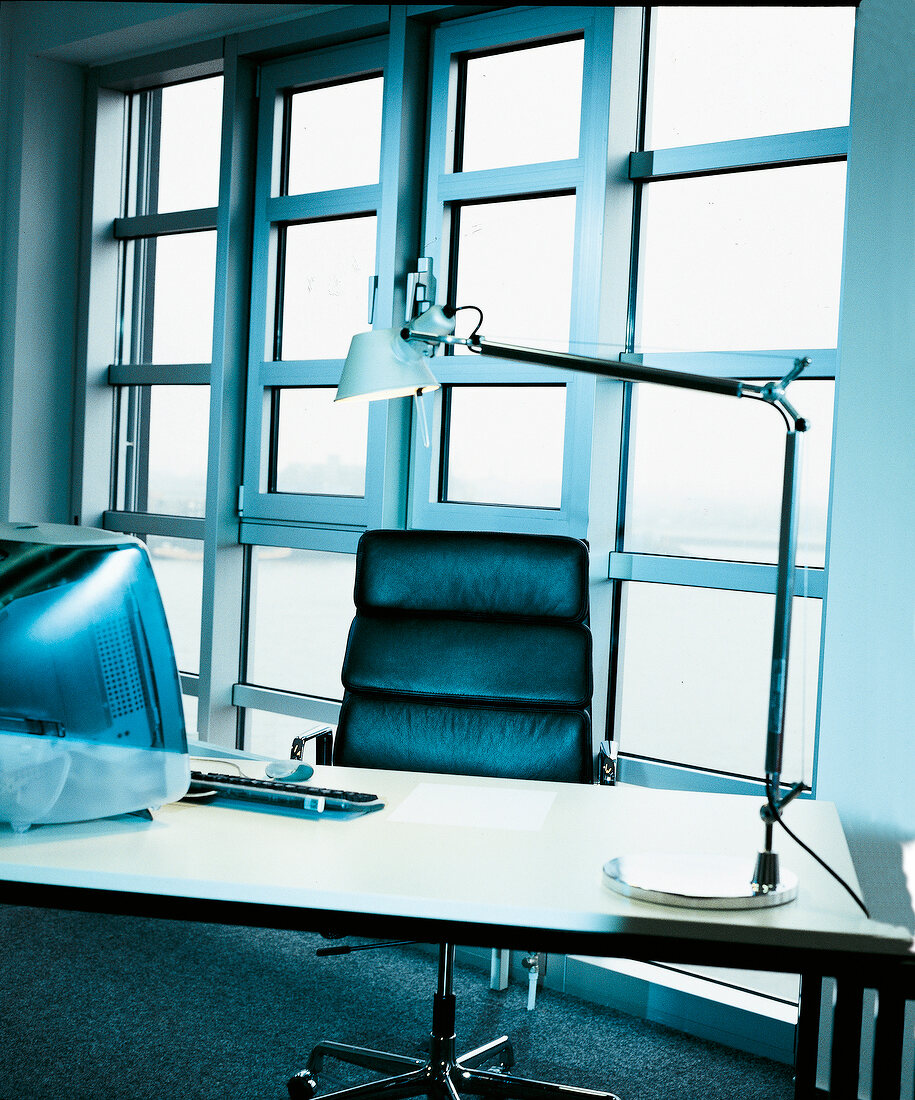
(779, 150)
(324, 204)
(705, 573)
(158, 225)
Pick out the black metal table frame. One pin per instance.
(892, 976)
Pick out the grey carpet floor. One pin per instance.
(97, 1007)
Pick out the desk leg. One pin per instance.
(846, 1039)
(807, 1037)
(888, 1039)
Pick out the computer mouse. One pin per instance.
(290, 771)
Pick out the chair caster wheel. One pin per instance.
(302, 1087)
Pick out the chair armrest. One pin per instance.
(324, 744)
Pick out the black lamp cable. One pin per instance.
(457, 309)
(776, 815)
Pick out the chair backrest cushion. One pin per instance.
(473, 574)
(470, 654)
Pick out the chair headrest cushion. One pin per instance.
(472, 575)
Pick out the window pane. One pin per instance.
(325, 295)
(302, 607)
(184, 289)
(190, 714)
(523, 107)
(505, 445)
(172, 479)
(748, 260)
(721, 496)
(694, 678)
(178, 566)
(178, 436)
(732, 72)
(335, 136)
(189, 142)
(321, 446)
(515, 263)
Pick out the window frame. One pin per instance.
(648, 167)
(110, 373)
(273, 213)
(309, 521)
(448, 190)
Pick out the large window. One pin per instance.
(313, 470)
(664, 183)
(320, 203)
(507, 215)
(590, 180)
(336, 203)
(160, 373)
(741, 189)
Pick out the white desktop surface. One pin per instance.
(512, 855)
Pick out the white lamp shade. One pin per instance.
(382, 364)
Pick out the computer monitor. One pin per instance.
(91, 716)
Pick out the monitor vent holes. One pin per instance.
(120, 671)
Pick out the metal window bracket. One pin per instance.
(420, 288)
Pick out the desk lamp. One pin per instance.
(393, 362)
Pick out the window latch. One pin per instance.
(420, 288)
(606, 770)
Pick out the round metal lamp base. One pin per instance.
(695, 882)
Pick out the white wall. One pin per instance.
(867, 724)
(42, 137)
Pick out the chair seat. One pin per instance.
(418, 735)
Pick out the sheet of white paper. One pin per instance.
(477, 807)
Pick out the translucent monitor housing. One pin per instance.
(91, 717)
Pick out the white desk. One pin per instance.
(455, 866)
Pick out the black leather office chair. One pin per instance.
(469, 654)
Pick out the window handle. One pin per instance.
(373, 290)
(420, 288)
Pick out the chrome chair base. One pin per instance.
(442, 1075)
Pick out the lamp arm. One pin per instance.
(612, 368)
(772, 393)
(784, 597)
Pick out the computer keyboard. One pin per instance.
(275, 792)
